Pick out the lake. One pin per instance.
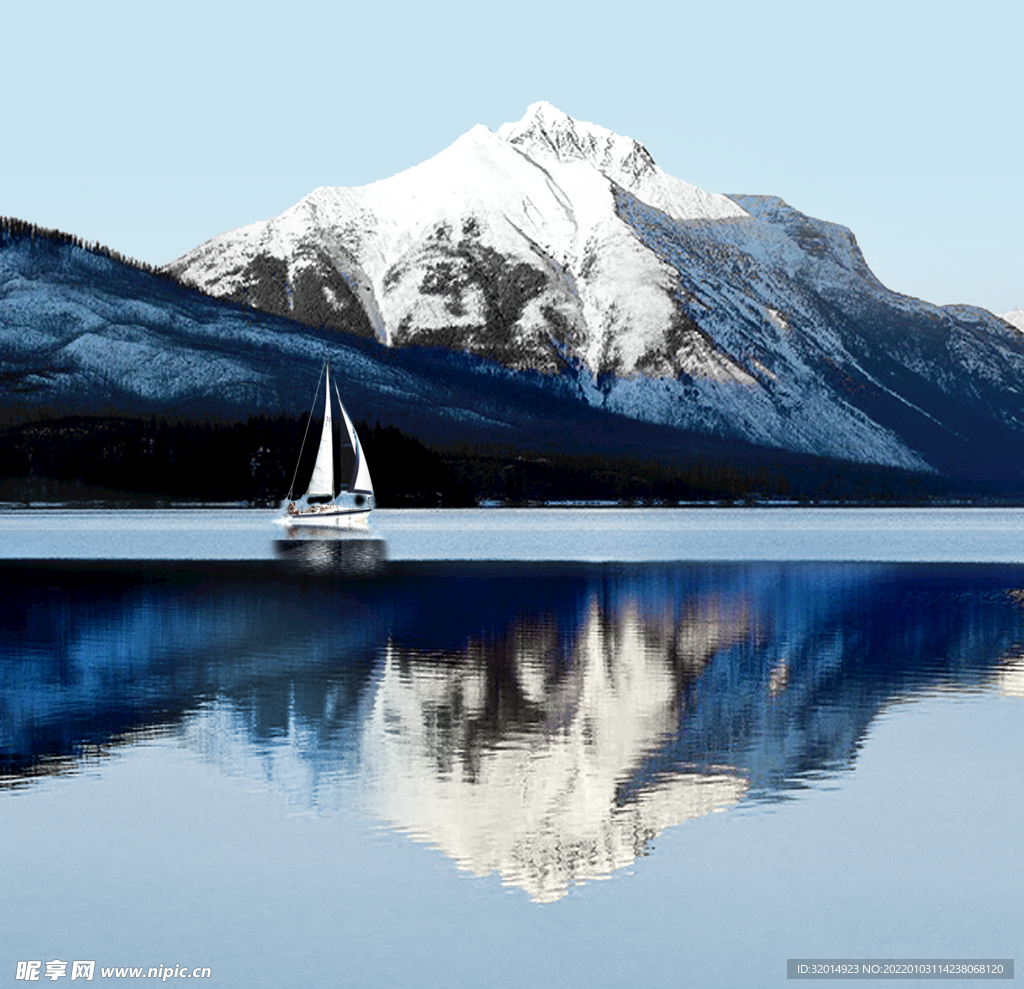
(558, 747)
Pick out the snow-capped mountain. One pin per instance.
(558, 246)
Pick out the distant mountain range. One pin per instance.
(89, 341)
(545, 289)
(555, 244)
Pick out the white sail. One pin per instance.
(361, 474)
(322, 481)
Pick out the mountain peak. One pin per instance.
(547, 131)
(545, 110)
(548, 136)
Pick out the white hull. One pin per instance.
(330, 517)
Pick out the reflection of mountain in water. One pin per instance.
(543, 721)
(509, 755)
(92, 652)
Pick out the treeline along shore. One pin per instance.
(156, 460)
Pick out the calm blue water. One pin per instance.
(598, 534)
(503, 748)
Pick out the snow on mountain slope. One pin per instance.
(559, 246)
(1015, 317)
(81, 333)
(546, 135)
(792, 298)
(507, 245)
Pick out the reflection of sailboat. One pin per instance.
(321, 505)
(331, 552)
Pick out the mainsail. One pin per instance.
(322, 481)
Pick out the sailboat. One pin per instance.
(322, 505)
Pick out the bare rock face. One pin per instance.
(558, 246)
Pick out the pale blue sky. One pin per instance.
(152, 128)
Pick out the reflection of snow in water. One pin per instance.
(1010, 676)
(1010, 671)
(522, 775)
(778, 679)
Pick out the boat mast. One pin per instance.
(321, 484)
(295, 473)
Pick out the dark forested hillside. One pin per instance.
(80, 458)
